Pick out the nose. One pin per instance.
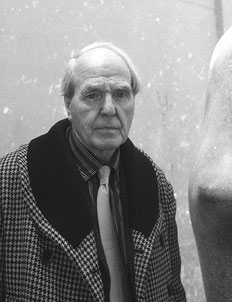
(108, 105)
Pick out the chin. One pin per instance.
(109, 144)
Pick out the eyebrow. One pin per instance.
(100, 86)
(122, 86)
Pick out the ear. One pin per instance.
(67, 103)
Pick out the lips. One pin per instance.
(107, 129)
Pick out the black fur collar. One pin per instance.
(58, 187)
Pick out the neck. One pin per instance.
(103, 156)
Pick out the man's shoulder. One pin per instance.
(139, 157)
(149, 159)
(165, 188)
(20, 155)
(160, 174)
(11, 161)
(21, 152)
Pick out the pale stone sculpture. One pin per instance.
(210, 189)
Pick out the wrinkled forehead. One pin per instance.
(101, 62)
(105, 84)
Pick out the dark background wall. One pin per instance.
(170, 41)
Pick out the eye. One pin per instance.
(121, 95)
(93, 96)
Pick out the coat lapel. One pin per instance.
(140, 199)
(140, 183)
(143, 250)
(57, 185)
(88, 264)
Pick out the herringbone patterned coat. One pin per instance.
(47, 244)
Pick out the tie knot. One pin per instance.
(103, 174)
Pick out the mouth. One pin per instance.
(107, 129)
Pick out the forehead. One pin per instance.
(101, 65)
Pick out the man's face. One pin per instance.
(102, 108)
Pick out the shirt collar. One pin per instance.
(87, 164)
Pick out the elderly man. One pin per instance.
(85, 215)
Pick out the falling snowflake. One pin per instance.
(5, 110)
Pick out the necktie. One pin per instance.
(109, 238)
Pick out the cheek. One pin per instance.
(77, 112)
(77, 117)
(128, 114)
(83, 120)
